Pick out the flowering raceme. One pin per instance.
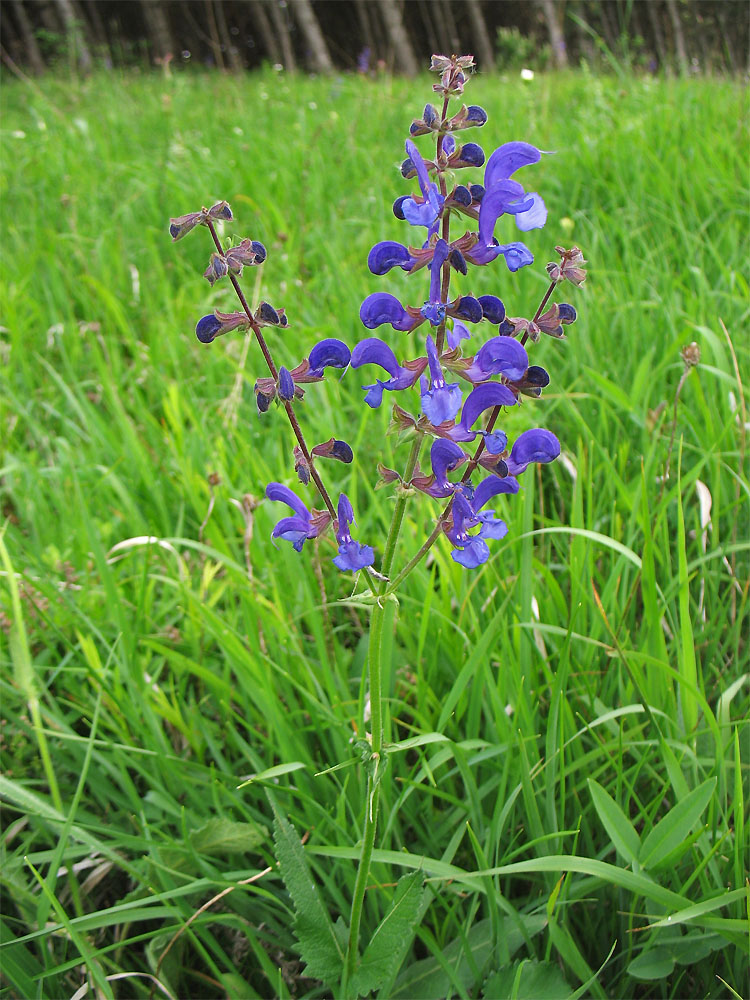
(466, 381)
(498, 373)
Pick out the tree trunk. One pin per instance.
(266, 32)
(99, 33)
(157, 25)
(319, 57)
(482, 40)
(213, 32)
(661, 49)
(679, 37)
(405, 61)
(281, 27)
(235, 61)
(434, 40)
(74, 32)
(553, 14)
(29, 38)
(365, 26)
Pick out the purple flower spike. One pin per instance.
(445, 456)
(536, 445)
(328, 353)
(480, 399)
(352, 555)
(301, 526)
(372, 351)
(382, 307)
(440, 402)
(388, 254)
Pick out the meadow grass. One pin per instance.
(585, 802)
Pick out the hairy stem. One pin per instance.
(375, 673)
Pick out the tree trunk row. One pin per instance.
(400, 35)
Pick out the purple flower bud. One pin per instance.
(260, 251)
(407, 168)
(217, 268)
(388, 254)
(328, 353)
(430, 115)
(333, 448)
(220, 211)
(262, 401)
(462, 195)
(267, 314)
(470, 155)
(477, 192)
(285, 385)
(468, 308)
(536, 376)
(458, 261)
(506, 329)
(567, 313)
(492, 308)
(207, 328)
(382, 307)
(476, 115)
(397, 207)
(449, 145)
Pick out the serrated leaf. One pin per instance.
(672, 830)
(619, 828)
(656, 963)
(321, 947)
(537, 981)
(392, 938)
(224, 836)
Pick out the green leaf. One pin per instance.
(393, 936)
(537, 981)
(675, 827)
(619, 828)
(427, 978)
(224, 836)
(655, 963)
(321, 948)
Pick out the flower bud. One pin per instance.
(285, 385)
(207, 328)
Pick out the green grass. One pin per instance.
(589, 680)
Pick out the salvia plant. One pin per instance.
(457, 364)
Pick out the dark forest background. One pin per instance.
(673, 36)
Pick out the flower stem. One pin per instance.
(375, 672)
(275, 374)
